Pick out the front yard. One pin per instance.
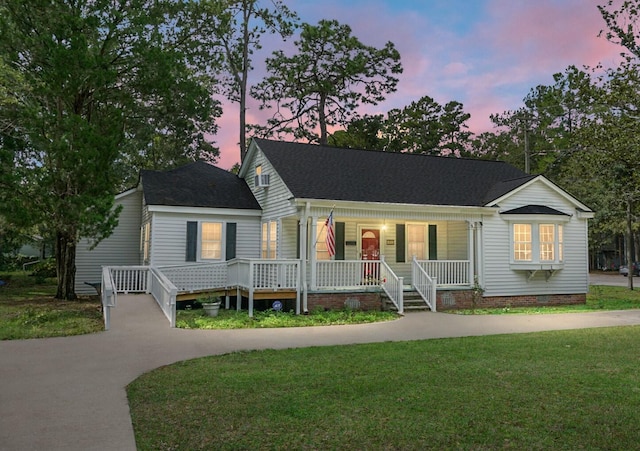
(28, 310)
(554, 390)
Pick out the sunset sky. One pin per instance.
(486, 54)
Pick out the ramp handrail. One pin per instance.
(108, 295)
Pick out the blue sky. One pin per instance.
(486, 54)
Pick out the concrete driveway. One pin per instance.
(69, 393)
(612, 278)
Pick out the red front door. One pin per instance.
(370, 240)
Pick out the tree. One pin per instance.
(543, 130)
(322, 85)
(238, 26)
(622, 24)
(361, 133)
(106, 84)
(424, 126)
(614, 144)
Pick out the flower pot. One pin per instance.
(211, 309)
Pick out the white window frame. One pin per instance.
(202, 241)
(269, 240)
(321, 241)
(536, 260)
(145, 241)
(425, 242)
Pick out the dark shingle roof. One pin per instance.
(197, 185)
(534, 210)
(318, 172)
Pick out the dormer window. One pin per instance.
(261, 180)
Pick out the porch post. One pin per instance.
(312, 251)
(470, 252)
(302, 224)
(480, 253)
(304, 246)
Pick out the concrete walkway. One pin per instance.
(69, 393)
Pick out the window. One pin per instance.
(560, 243)
(321, 242)
(538, 243)
(522, 242)
(145, 241)
(416, 241)
(547, 242)
(269, 239)
(211, 243)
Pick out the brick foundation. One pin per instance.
(463, 299)
(446, 300)
(338, 301)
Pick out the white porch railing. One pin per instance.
(447, 272)
(130, 279)
(347, 274)
(424, 284)
(392, 285)
(197, 277)
(267, 275)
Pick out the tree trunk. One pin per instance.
(66, 265)
(322, 120)
(629, 238)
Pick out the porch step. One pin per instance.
(413, 302)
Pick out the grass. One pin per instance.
(28, 310)
(553, 390)
(600, 297)
(232, 319)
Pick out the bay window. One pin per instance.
(538, 243)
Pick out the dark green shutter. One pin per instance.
(192, 241)
(433, 242)
(339, 241)
(400, 243)
(231, 240)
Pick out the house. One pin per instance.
(458, 231)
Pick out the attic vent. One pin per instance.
(262, 180)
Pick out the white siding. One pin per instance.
(169, 236)
(287, 238)
(274, 199)
(501, 280)
(455, 241)
(121, 248)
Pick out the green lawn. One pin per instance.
(28, 310)
(232, 319)
(552, 390)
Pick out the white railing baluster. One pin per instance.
(447, 272)
(424, 284)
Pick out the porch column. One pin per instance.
(303, 256)
(480, 253)
(312, 251)
(470, 251)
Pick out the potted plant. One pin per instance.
(211, 305)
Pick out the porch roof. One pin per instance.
(320, 172)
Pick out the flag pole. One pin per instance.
(323, 226)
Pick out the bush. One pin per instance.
(44, 269)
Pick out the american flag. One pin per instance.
(331, 236)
